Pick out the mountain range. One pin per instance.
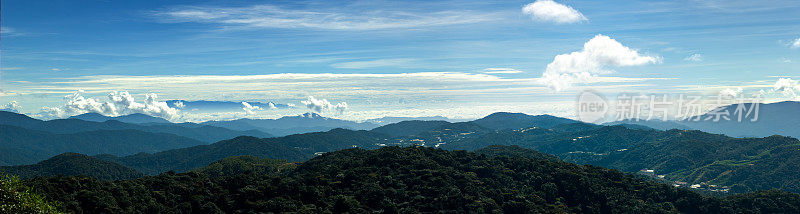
(779, 118)
(389, 120)
(686, 158)
(299, 147)
(308, 122)
(67, 126)
(137, 118)
(24, 146)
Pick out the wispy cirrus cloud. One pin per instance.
(694, 58)
(740, 6)
(501, 71)
(300, 85)
(270, 16)
(7, 31)
(399, 62)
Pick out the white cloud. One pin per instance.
(551, 11)
(269, 16)
(501, 71)
(250, 109)
(272, 106)
(796, 43)
(582, 66)
(731, 92)
(323, 105)
(787, 87)
(694, 58)
(12, 106)
(786, 60)
(120, 103)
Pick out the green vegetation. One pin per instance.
(245, 165)
(18, 198)
(402, 180)
(695, 157)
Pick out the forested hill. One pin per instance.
(23, 146)
(685, 157)
(71, 164)
(299, 147)
(404, 180)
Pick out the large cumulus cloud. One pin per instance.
(598, 55)
(323, 105)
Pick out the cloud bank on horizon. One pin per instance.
(119, 103)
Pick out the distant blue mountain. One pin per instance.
(202, 133)
(305, 123)
(137, 118)
(9, 110)
(506, 120)
(389, 120)
(24, 146)
(203, 105)
(780, 118)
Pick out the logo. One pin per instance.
(591, 107)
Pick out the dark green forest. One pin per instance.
(399, 180)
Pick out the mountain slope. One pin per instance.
(405, 180)
(67, 126)
(72, 164)
(23, 146)
(694, 157)
(505, 120)
(412, 127)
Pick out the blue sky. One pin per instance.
(461, 59)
